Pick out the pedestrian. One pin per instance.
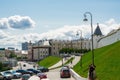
(91, 72)
(71, 62)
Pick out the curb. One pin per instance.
(76, 76)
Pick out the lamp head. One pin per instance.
(77, 34)
(85, 19)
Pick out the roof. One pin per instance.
(97, 30)
(46, 43)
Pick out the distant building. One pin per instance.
(39, 50)
(42, 49)
(11, 48)
(25, 46)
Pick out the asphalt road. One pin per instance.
(55, 75)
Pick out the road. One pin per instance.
(55, 75)
(52, 74)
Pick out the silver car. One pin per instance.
(7, 75)
(16, 74)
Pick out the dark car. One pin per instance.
(43, 69)
(25, 77)
(42, 75)
(34, 71)
(24, 72)
(65, 72)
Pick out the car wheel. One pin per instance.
(15, 76)
(4, 78)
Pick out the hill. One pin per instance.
(49, 61)
(107, 61)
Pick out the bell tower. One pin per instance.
(97, 35)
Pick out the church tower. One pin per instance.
(96, 36)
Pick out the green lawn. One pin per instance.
(107, 61)
(49, 61)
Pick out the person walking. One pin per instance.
(71, 62)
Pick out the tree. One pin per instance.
(1, 66)
(12, 55)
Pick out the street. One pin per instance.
(52, 74)
(55, 75)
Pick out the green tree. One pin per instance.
(1, 66)
(12, 55)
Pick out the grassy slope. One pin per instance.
(49, 61)
(107, 61)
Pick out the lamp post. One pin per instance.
(91, 67)
(85, 19)
(81, 45)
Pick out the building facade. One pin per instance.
(41, 49)
(38, 50)
(25, 46)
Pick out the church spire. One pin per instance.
(97, 30)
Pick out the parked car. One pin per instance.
(43, 69)
(1, 77)
(24, 72)
(34, 71)
(7, 75)
(42, 75)
(65, 72)
(16, 74)
(25, 77)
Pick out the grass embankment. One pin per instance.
(49, 61)
(107, 61)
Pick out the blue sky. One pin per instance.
(45, 16)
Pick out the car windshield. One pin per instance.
(13, 71)
(7, 73)
(66, 71)
(26, 76)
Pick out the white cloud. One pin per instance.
(4, 23)
(65, 32)
(110, 22)
(3, 35)
(16, 22)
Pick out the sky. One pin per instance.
(33, 20)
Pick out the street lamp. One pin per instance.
(81, 45)
(91, 67)
(85, 19)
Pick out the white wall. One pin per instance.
(109, 39)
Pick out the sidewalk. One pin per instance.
(59, 63)
(75, 61)
(21, 65)
(74, 74)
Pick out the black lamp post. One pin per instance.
(85, 19)
(91, 67)
(81, 45)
